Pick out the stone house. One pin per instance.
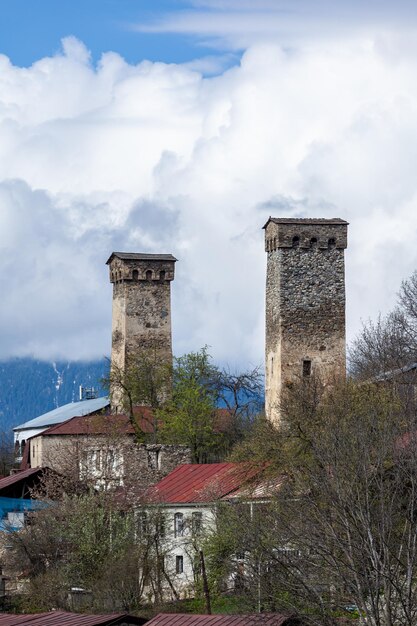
(101, 450)
(188, 499)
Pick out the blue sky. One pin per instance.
(179, 127)
(32, 29)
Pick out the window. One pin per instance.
(179, 564)
(148, 275)
(306, 367)
(178, 525)
(160, 526)
(162, 275)
(143, 523)
(135, 275)
(332, 242)
(196, 522)
(295, 242)
(110, 461)
(153, 459)
(313, 242)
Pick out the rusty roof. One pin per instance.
(140, 256)
(104, 424)
(191, 483)
(316, 221)
(16, 477)
(254, 619)
(63, 618)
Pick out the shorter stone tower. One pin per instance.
(305, 304)
(141, 320)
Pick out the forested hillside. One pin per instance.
(29, 387)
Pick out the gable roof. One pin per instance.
(65, 412)
(254, 619)
(104, 424)
(191, 483)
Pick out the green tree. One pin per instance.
(189, 416)
(88, 542)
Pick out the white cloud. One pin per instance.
(155, 157)
(238, 24)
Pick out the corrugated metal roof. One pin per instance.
(202, 483)
(254, 619)
(104, 424)
(63, 413)
(63, 618)
(141, 256)
(120, 423)
(7, 481)
(259, 489)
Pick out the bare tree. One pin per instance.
(342, 530)
(390, 343)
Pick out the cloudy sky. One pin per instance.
(179, 127)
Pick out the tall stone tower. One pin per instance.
(305, 303)
(141, 320)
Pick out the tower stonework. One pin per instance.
(305, 304)
(141, 317)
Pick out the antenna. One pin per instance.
(88, 393)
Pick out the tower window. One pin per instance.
(179, 564)
(178, 525)
(148, 275)
(135, 275)
(295, 242)
(332, 242)
(162, 275)
(196, 522)
(313, 242)
(306, 367)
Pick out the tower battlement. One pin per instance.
(124, 266)
(305, 303)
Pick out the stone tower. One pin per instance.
(305, 303)
(141, 319)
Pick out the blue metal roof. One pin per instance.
(64, 413)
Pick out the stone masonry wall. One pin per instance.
(141, 318)
(305, 304)
(134, 466)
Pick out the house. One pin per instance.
(16, 497)
(188, 499)
(101, 450)
(34, 427)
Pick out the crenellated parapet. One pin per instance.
(124, 266)
(308, 234)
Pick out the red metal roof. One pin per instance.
(100, 424)
(18, 476)
(62, 618)
(255, 619)
(202, 483)
(104, 424)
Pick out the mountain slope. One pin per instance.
(29, 387)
